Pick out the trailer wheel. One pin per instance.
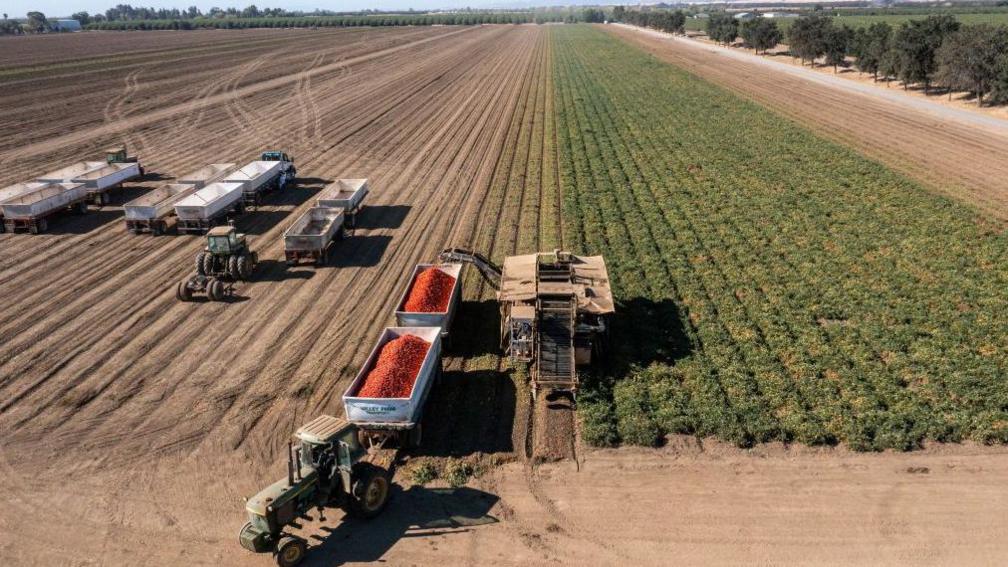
(290, 551)
(370, 491)
(182, 292)
(81, 207)
(157, 228)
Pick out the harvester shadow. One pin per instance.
(313, 181)
(278, 271)
(646, 331)
(476, 413)
(415, 512)
(382, 216)
(359, 250)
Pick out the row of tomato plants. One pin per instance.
(771, 285)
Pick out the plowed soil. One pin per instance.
(131, 418)
(134, 424)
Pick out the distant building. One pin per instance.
(701, 16)
(780, 15)
(746, 16)
(65, 25)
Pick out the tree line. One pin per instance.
(126, 17)
(673, 21)
(935, 51)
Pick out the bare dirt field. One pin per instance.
(962, 159)
(133, 424)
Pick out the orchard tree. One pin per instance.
(916, 42)
(869, 46)
(760, 34)
(37, 22)
(970, 59)
(807, 37)
(722, 27)
(836, 43)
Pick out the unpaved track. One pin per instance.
(961, 159)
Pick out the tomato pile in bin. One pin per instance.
(430, 293)
(396, 369)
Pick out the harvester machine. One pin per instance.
(225, 260)
(554, 311)
(326, 468)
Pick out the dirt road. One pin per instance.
(955, 151)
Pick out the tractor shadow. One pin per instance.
(414, 512)
(382, 216)
(278, 271)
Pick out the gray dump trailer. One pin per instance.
(258, 178)
(151, 212)
(30, 210)
(17, 190)
(312, 234)
(399, 418)
(100, 181)
(206, 207)
(346, 194)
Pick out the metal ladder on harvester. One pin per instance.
(555, 369)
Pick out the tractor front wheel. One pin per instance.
(370, 491)
(290, 551)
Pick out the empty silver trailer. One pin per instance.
(259, 177)
(311, 235)
(200, 211)
(30, 211)
(99, 181)
(150, 212)
(68, 173)
(207, 174)
(15, 190)
(347, 194)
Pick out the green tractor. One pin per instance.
(329, 468)
(225, 260)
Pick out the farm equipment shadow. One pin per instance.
(480, 404)
(415, 512)
(278, 271)
(646, 331)
(359, 251)
(382, 216)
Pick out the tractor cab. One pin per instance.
(118, 154)
(224, 241)
(327, 435)
(276, 156)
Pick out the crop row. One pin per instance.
(770, 285)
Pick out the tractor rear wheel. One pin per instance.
(182, 292)
(208, 264)
(290, 551)
(370, 491)
(201, 264)
(232, 267)
(244, 267)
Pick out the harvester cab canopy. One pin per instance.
(276, 156)
(224, 240)
(528, 277)
(117, 154)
